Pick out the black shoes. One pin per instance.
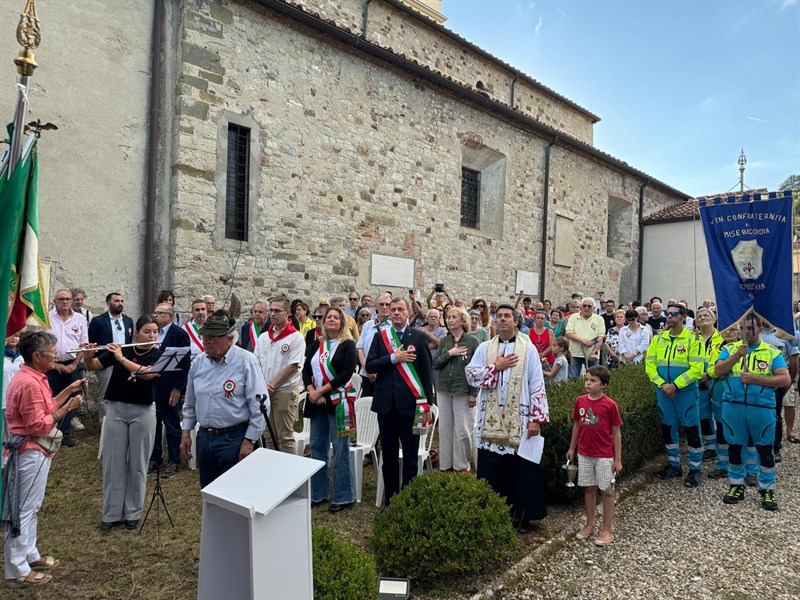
(109, 525)
(669, 472)
(132, 524)
(67, 441)
(693, 479)
(335, 508)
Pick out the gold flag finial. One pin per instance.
(28, 36)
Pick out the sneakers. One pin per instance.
(669, 472)
(709, 455)
(751, 479)
(77, 425)
(734, 495)
(171, 470)
(693, 479)
(718, 473)
(768, 500)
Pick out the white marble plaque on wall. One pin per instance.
(392, 271)
(527, 282)
(564, 247)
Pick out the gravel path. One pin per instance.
(674, 542)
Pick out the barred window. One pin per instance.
(470, 197)
(237, 196)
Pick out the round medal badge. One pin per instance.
(228, 388)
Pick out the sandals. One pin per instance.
(792, 439)
(37, 579)
(45, 562)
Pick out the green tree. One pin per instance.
(793, 183)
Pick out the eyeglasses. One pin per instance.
(119, 325)
(63, 299)
(587, 306)
(356, 298)
(632, 318)
(672, 313)
(276, 310)
(318, 316)
(384, 303)
(160, 312)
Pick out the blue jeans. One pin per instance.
(578, 363)
(323, 433)
(218, 453)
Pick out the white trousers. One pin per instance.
(129, 432)
(20, 551)
(456, 420)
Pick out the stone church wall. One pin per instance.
(352, 158)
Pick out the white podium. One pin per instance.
(255, 541)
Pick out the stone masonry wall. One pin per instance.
(358, 158)
(392, 28)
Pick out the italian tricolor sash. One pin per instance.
(343, 398)
(422, 414)
(194, 334)
(255, 331)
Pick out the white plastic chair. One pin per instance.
(423, 456)
(192, 462)
(357, 381)
(366, 438)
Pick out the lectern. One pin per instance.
(255, 541)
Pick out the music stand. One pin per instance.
(170, 360)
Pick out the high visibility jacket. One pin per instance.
(762, 360)
(680, 360)
(713, 346)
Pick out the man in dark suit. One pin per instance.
(112, 327)
(249, 331)
(394, 349)
(169, 387)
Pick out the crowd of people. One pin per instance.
(484, 364)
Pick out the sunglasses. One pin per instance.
(672, 313)
(588, 306)
(318, 316)
(480, 306)
(631, 318)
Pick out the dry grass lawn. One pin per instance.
(161, 562)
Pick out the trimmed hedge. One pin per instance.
(641, 425)
(442, 525)
(342, 571)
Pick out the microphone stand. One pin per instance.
(262, 398)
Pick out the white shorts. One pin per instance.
(595, 471)
(790, 397)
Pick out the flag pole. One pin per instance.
(29, 36)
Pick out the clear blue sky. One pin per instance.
(680, 87)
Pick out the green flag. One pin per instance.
(20, 280)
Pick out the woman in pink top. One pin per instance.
(542, 337)
(31, 412)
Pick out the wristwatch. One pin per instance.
(251, 441)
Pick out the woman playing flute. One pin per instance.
(130, 424)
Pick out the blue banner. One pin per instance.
(749, 240)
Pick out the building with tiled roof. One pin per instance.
(318, 146)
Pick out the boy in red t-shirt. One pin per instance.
(597, 436)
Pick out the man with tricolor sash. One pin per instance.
(192, 327)
(399, 358)
(249, 332)
(280, 351)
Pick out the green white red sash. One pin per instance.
(255, 331)
(407, 370)
(343, 398)
(194, 334)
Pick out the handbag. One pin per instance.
(52, 441)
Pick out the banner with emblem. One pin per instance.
(749, 240)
